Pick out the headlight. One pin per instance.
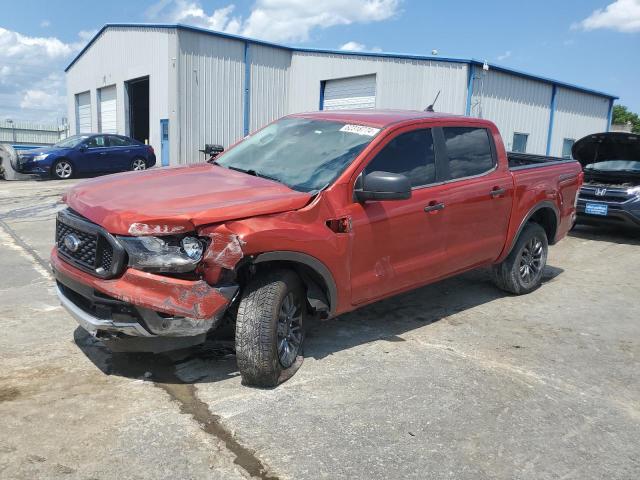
(163, 254)
(634, 191)
(40, 157)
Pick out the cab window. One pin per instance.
(410, 154)
(468, 150)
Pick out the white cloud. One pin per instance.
(358, 47)
(276, 20)
(353, 46)
(32, 83)
(621, 15)
(45, 23)
(504, 56)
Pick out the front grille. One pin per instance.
(610, 195)
(86, 252)
(95, 251)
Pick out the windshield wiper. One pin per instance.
(252, 172)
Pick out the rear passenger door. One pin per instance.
(478, 197)
(120, 153)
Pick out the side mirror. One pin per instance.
(383, 186)
(82, 147)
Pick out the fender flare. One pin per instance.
(532, 212)
(311, 262)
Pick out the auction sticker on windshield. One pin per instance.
(360, 130)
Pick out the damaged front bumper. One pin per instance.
(141, 304)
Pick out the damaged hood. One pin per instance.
(174, 200)
(601, 147)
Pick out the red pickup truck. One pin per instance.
(315, 214)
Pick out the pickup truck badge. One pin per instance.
(72, 242)
(601, 192)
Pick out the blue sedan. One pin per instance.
(87, 154)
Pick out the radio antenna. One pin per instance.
(430, 107)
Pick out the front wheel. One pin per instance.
(139, 164)
(269, 327)
(521, 272)
(62, 170)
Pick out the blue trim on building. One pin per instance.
(552, 114)
(610, 114)
(323, 83)
(470, 81)
(247, 89)
(339, 52)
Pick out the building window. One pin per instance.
(520, 142)
(567, 145)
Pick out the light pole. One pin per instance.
(13, 129)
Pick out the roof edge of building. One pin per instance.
(471, 61)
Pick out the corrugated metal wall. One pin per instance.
(401, 83)
(18, 132)
(577, 114)
(197, 80)
(514, 104)
(210, 92)
(121, 54)
(269, 84)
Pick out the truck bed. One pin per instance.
(520, 161)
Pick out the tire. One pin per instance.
(270, 316)
(138, 164)
(62, 169)
(521, 272)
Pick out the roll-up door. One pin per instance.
(350, 93)
(108, 121)
(83, 112)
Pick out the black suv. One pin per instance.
(611, 191)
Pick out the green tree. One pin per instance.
(621, 114)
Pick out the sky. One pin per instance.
(591, 43)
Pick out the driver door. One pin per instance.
(399, 244)
(94, 157)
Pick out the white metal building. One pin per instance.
(179, 87)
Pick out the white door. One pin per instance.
(350, 93)
(108, 121)
(83, 112)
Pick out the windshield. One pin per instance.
(615, 166)
(71, 142)
(304, 154)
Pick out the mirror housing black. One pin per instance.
(383, 186)
(82, 146)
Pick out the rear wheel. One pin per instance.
(62, 169)
(521, 272)
(269, 327)
(139, 164)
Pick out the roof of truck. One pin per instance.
(381, 118)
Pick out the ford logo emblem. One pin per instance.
(72, 242)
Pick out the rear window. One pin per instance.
(468, 151)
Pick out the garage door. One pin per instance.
(354, 92)
(83, 112)
(108, 123)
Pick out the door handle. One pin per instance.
(103, 153)
(434, 207)
(497, 191)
